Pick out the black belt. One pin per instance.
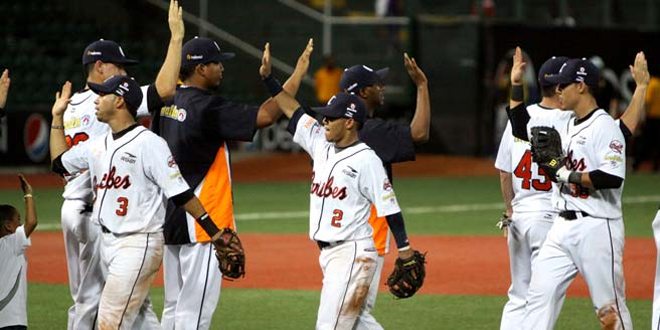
(572, 215)
(322, 245)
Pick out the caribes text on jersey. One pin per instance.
(325, 189)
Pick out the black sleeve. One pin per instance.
(627, 134)
(154, 101)
(2, 112)
(232, 121)
(392, 142)
(182, 198)
(293, 122)
(398, 228)
(602, 180)
(58, 167)
(519, 118)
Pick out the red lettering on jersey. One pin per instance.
(110, 181)
(574, 164)
(326, 189)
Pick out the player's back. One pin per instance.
(80, 125)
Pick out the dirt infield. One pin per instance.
(456, 265)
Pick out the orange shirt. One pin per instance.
(326, 82)
(653, 98)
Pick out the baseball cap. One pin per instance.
(550, 67)
(200, 50)
(360, 76)
(576, 70)
(123, 86)
(106, 51)
(344, 105)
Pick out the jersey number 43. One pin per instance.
(524, 171)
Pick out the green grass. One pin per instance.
(253, 198)
(247, 309)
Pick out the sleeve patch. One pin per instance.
(309, 123)
(617, 146)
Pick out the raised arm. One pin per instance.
(282, 99)
(4, 90)
(516, 111)
(270, 110)
(421, 121)
(635, 111)
(30, 208)
(58, 143)
(169, 72)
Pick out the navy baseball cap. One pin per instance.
(360, 76)
(576, 70)
(106, 51)
(200, 50)
(550, 67)
(344, 105)
(123, 86)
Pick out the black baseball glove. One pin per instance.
(230, 254)
(547, 151)
(408, 275)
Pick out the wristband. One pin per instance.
(405, 248)
(27, 196)
(56, 127)
(563, 174)
(575, 177)
(517, 93)
(207, 224)
(273, 85)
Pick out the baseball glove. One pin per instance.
(547, 151)
(408, 275)
(230, 254)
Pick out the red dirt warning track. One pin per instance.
(456, 265)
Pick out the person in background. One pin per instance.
(326, 79)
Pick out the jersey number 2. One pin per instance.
(524, 171)
(339, 214)
(123, 206)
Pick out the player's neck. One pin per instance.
(550, 102)
(349, 139)
(197, 83)
(119, 124)
(586, 105)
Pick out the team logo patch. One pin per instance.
(171, 162)
(173, 113)
(617, 146)
(387, 186)
(182, 115)
(85, 121)
(309, 123)
(36, 137)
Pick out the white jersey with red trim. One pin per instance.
(344, 185)
(130, 176)
(596, 143)
(80, 125)
(530, 185)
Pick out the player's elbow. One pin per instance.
(166, 91)
(420, 136)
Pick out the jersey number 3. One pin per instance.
(123, 206)
(524, 171)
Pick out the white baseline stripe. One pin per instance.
(409, 210)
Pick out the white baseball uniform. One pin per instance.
(86, 276)
(533, 213)
(13, 287)
(655, 322)
(130, 175)
(344, 185)
(591, 244)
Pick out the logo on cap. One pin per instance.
(350, 110)
(94, 53)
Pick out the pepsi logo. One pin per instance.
(182, 115)
(85, 121)
(36, 137)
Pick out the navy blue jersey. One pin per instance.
(392, 142)
(196, 125)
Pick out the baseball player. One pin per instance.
(392, 142)
(587, 196)
(14, 240)
(131, 168)
(655, 322)
(197, 125)
(5, 81)
(347, 178)
(101, 59)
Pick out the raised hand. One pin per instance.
(4, 87)
(303, 61)
(175, 20)
(518, 67)
(62, 100)
(265, 69)
(415, 73)
(25, 185)
(640, 71)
